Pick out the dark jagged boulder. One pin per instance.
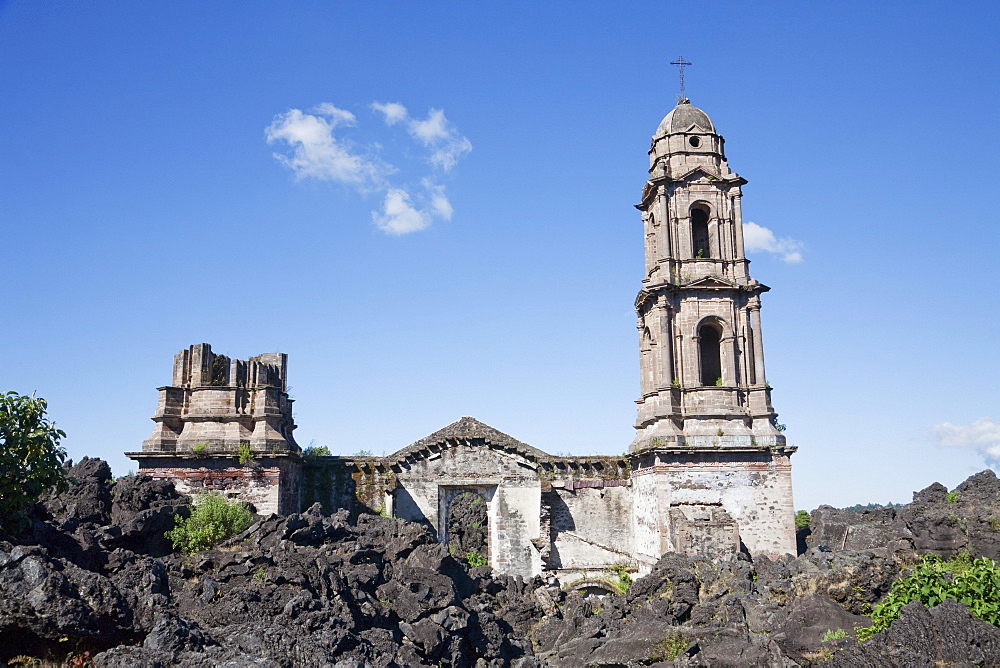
(45, 598)
(938, 522)
(86, 500)
(945, 635)
(142, 510)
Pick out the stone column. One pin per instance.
(758, 344)
(738, 225)
(679, 354)
(748, 349)
(663, 242)
(667, 344)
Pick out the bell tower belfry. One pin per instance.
(706, 429)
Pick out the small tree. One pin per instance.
(212, 520)
(30, 456)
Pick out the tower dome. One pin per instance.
(682, 117)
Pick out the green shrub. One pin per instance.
(213, 519)
(972, 582)
(314, 451)
(834, 635)
(952, 497)
(30, 456)
(670, 646)
(244, 454)
(624, 577)
(474, 559)
(802, 519)
(199, 448)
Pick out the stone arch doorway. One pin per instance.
(592, 587)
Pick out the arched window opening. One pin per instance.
(646, 363)
(700, 246)
(709, 339)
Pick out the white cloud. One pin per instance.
(983, 435)
(435, 132)
(398, 215)
(394, 112)
(316, 153)
(337, 116)
(438, 134)
(432, 130)
(439, 203)
(759, 238)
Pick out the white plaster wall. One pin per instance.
(517, 524)
(757, 494)
(592, 526)
(646, 528)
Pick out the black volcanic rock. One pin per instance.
(945, 635)
(94, 573)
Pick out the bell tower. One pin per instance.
(701, 351)
(705, 405)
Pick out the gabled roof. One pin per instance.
(711, 282)
(467, 430)
(692, 174)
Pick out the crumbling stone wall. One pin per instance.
(269, 484)
(753, 487)
(217, 404)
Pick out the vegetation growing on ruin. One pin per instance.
(624, 581)
(474, 559)
(244, 454)
(972, 582)
(30, 456)
(213, 519)
(802, 519)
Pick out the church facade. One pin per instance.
(708, 472)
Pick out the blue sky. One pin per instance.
(480, 254)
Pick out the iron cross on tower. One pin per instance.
(680, 63)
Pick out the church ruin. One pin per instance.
(708, 472)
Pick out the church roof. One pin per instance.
(465, 430)
(682, 117)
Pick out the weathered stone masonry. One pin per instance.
(708, 472)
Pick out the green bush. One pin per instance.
(314, 451)
(802, 519)
(972, 582)
(244, 454)
(30, 456)
(212, 520)
(952, 497)
(474, 559)
(834, 635)
(624, 577)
